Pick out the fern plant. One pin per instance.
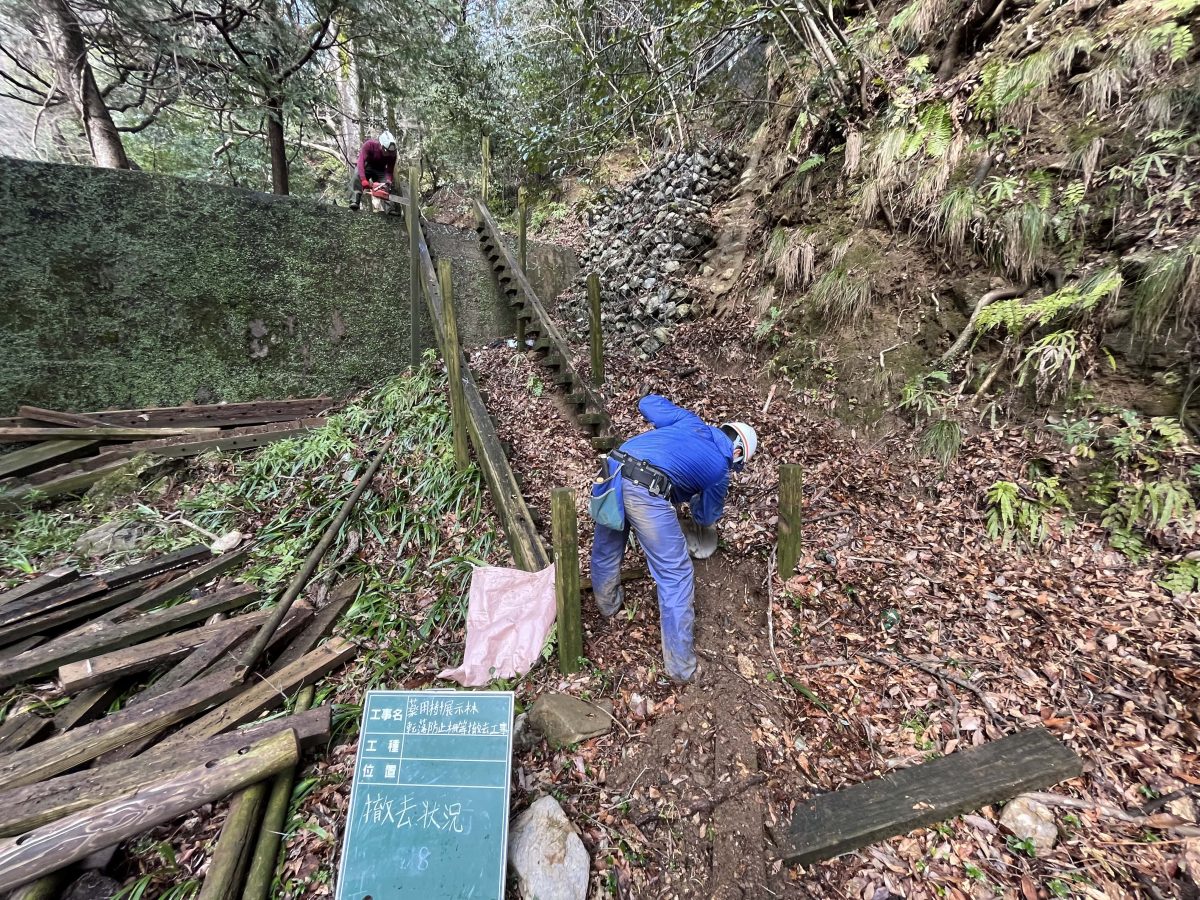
(1181, 577)
(1012, 513)
(922, 395)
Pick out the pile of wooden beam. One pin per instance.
(66, 453)
(162, 674)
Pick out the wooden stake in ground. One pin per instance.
(486, 153)
(414, 266)
(69, 840)
(458, 403)
(597, 332)
(791, 518)
(270, 836)
(565, 527)
(522, 226)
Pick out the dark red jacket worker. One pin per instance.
(376, 162)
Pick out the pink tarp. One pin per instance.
(509, 615)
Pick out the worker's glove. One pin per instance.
(701, 539)
(365, 183)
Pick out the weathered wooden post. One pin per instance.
(565, 529)
(593, 289)
(522, 222)
(487, 164)
(458, 402)
(414, 267)
(791, 517)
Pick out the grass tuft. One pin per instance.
(942, 441)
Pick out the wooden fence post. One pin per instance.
(522, 221)
(458, 402)
(597, 333)
(565, 528)
(487, 164)
(414, 267)
(791, 517)
(522, 217)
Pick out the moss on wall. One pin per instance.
(121, 288)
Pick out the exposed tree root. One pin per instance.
(968, 332)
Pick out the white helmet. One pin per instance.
(387, 141)
(745, 440)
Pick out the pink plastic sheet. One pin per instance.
(509, 615)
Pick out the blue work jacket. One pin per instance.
(696, 456)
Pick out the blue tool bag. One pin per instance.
(607, 504)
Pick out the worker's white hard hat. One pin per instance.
(387, 140)
(745, 440)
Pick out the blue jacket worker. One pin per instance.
(682, 460)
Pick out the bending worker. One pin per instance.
(682, 460)
(376, 162)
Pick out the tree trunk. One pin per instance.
(64, 38)
(279, 163)
(350, 131)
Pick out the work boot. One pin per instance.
(608, 611)
(355, 201)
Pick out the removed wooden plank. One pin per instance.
(69, 840)
(219, 415)
(269, 693)
(179, 586)
(54, 417)
(321, 625)
(19, 462)
(178, 448)
(103, 635)
(20, 730)
(211, 659)
(21, 646)
(166, 562)
(15, 435)
(64, 752)
(46, 624)
(85, 706)
(31, 806)
(863, 814)
(48, 601)
(52, 579)
(15, 499)
(115, 664)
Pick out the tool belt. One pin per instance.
(649, 476)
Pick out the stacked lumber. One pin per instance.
(54, 453)
(193, 667)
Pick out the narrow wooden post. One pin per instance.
(522, 221)
(487, 164)
(593, 289)
(565, 529)
(414, 267)
(458, 402)
(266, 851)
(791, 517)
(234, 846)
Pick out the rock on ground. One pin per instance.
(564, 720)
(111, 537)
(1031, 820)
(547, 855)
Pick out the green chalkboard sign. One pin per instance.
(428, 813)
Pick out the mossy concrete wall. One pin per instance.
(126, 289)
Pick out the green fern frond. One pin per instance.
(937, 128)
(1073, 299)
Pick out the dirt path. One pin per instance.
(697, 774)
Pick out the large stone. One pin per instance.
(111, 537)
(564, 720)
(1030, 820)
(547, 855)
